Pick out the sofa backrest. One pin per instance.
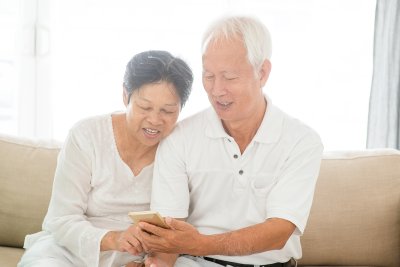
(354, 220)
(26, 178)
(355, 217)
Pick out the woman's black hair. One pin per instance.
(154, 66)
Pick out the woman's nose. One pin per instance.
(154, 118)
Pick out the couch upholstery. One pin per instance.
(354, 221)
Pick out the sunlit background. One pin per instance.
(61, 61)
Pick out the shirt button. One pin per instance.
(235, 156)
(241, 172)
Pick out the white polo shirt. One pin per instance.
(200, 174)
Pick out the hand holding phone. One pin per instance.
(152, 217)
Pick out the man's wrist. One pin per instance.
(204, 246)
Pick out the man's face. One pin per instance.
(230, 81)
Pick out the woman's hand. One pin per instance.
(134, 264)
(160, 260)
(123, 241)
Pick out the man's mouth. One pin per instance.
(223, 104)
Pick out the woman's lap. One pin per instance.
(45, 252)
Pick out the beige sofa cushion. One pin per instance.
(26, 177)
(9, 257)
(355, 218)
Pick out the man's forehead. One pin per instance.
(223, 42)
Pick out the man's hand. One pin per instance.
(182, 238)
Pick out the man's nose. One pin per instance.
(218, 87)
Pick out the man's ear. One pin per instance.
(264, 72)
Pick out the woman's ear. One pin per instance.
(125, 96)
(264, 72)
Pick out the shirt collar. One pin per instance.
(214, 128)
(271, 126)
(268, 132)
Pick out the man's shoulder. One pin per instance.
(295, 127)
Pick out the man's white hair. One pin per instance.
(254, 34)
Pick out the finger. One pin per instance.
(149, 261)
(136, 245)
(143, 237)
(132, 250)
(153, 243)
(134, 264)
(170, 223)
(152, 229)
(133, 241)
(131, 245)
(176, 224)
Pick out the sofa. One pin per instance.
(354, 220)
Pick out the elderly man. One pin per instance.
(241, 173)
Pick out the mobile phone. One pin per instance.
(149, 216)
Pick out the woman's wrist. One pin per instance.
(108, 242)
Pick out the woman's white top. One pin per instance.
(93, 191)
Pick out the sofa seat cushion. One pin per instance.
(9, 257)
(26, 178)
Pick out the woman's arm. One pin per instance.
(66, 219)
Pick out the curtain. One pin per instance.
(384, 109)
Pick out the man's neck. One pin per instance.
(243, 131)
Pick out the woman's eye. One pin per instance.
(167, 111)
(145, 108)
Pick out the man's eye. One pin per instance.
(145, 108)
(230, 78)
(209, 77)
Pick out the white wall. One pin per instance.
(321, 63)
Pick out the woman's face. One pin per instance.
(152, 112)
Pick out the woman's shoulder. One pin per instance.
(92, 122)
(92, 126)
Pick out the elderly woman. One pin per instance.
(105, 170)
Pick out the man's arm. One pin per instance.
(183, 238)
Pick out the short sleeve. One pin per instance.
(292, 196)
(170, 192)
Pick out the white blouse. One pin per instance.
(93, 190)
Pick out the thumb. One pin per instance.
(149, 262)
(175, 224)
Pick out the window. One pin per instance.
(321, 62)
(8, 68)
